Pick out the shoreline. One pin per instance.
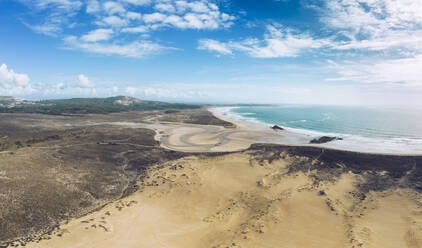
(228, 183)
(335, 145)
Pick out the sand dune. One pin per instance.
(236, 200)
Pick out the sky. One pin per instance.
(347, 52)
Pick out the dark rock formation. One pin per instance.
(324, 139)
(276, 127)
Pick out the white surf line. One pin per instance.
(293, 138)
(187, 137)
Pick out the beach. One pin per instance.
(371, 129)
(232, 186)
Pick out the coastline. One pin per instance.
(218, 186)
(221, 113)
(365, 145)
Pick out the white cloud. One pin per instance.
(154, 17)
(97, 35)
(392, 40)
(196, 6)
(187, 15)
(131, 91)
(133, 16)
(124, 23)
(84, 82)
(12, 83)
(93, 6)
(375, 24)
(215, 46)
(364, 15)
(50, 29)
(165, 7)
(392, 29)
(113, 8)
(62, 4)
(405, 71)
(278, 42)
(136, 49)
(139, 29)
(190, 20)
(10, 79)
(57, 14)
(389, 32)
(114, 21)
(138, 2)
(61, 86)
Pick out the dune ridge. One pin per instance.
(266, 196)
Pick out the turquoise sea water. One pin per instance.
(394, 128)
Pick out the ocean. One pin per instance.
(397, 130)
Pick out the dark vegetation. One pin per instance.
(70, 174)
(380, 172)
(196, 116)
(92, 106)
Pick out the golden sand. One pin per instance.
(234, 201)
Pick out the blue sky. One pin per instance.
(218, 51)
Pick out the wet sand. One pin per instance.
(186, 137)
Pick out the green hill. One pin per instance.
(89, 106)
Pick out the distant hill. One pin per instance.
(86, 105)
(10, 101)
(6, 98)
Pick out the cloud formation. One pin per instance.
(121, 22)
(388, 33)
(12, 82)
(84, 82)
(136, 49)
(375, 24)
(19, 84)
(57, 15)
(393, 71)
(370, 41)
(215, 46)
(278, 42)
(97, 35)
(392, 29)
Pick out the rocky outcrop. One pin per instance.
(277, 128)
(324, 139)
